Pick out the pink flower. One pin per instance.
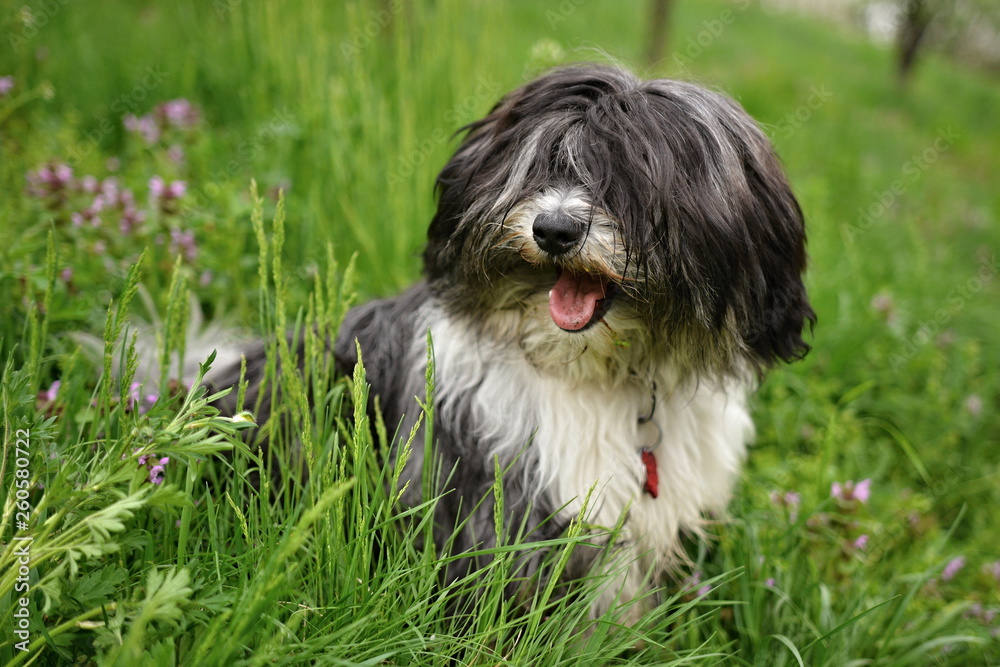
(156, 474)
(50, 394)
(694, 581)
(176, 189)
(131, 219)
(862, 490)
(952, 568)
(6, 84)
(133, 395)
(861, 542)
(145, 126)
(184, 243)
(789, 499)
(179, 113)
(157, 471)
(89, 184)
(156, 187)
(850, 491)
(50, 181)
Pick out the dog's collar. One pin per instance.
(651, 484)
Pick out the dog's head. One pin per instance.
(595, 215)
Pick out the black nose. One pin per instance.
(556, 233)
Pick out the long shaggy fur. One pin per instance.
(640, 318)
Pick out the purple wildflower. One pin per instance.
(145, 126)
(157, 471)
(952, 568)
(66, 275)
(770, 582)
(156, 474)
(110, 189)
(789, 499)
(133, 395)
(6, 84)
(50, 394)
(89, 184)
(50, 182)
(156, 187)
(178, 113)
(166, 194)
(131, 218)
(851, 491)
(183, 242)
(176, 189)
(694, 581)
(861, 542)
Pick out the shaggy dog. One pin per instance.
(612, 266)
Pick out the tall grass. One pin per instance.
(349, 110)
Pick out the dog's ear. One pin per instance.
(463, 180)
(773, 327)
(730, 236)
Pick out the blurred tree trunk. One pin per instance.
(912, 30)
(659, 27)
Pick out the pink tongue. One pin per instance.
(573, 300)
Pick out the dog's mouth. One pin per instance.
(579, 300)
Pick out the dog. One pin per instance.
(612, 266)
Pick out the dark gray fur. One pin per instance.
(714, 238)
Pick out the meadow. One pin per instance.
(273, 163)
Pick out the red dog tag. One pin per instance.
(652, 485)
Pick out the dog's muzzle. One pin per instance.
(578, 299)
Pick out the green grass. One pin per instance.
(901, 385)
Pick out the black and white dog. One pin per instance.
(612, 265)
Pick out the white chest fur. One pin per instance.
(576, 436)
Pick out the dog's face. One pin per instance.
(592, 215)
